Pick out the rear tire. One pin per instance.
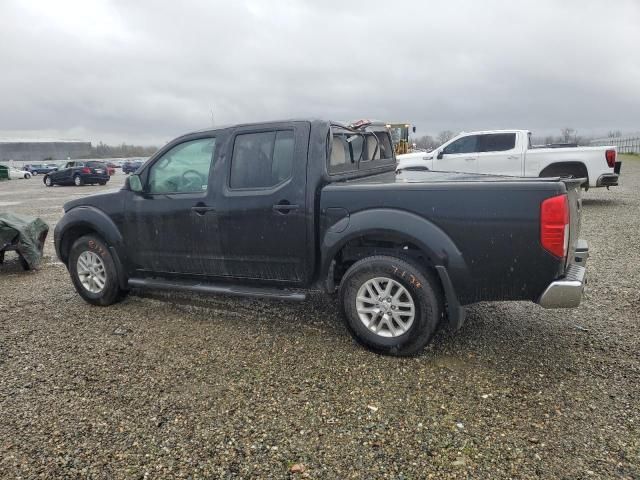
(386, 326)
(77, 181)
(93, 271)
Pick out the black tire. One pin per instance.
(47, 181)
(78, 181)
(420, 284)
(102, 183)
(111, 291)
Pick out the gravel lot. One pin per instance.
(167, 386)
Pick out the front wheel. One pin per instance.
(27, 176)
(77, 181)
(47, 181)
(391, 305)
(93, 271)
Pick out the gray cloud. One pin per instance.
(147, 71)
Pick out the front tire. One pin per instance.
(47, 181)
(77, 181)
(391, 305)
(93, 271)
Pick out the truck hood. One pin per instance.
(94, 199)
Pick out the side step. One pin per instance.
(216, 288)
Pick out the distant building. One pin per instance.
(39, 150)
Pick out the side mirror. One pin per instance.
(134, 183)
(440, 154)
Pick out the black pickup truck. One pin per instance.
(277, 209)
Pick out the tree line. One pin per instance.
(102, 150)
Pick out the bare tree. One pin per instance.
(444, 136)
(426, 142)
(567, 133)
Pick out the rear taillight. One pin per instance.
(86, 170)
(610, 155)
(554, 225)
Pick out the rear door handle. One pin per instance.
(202, 209)
(284, 207)
(470, 159)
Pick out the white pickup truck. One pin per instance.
(509, 152)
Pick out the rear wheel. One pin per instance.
(93, 271)
(391, 305)
(77, 181)
(47, 181)
(27, 175)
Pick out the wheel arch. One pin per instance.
(577, 168)
(81, 221)
(405, 234)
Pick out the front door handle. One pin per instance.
(201, 209)
(512, 157)
(284, 207)
(469, 159)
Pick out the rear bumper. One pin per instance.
(567, 292)
(95, 178)
(607, 180)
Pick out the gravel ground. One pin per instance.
(167, 386)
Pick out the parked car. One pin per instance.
(40, 168)
(14, 173)
(131, 166)
(509, 152)
(274, 209)
(78, 173)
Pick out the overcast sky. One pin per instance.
(147, 71)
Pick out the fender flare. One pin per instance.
(92, 218)
(442, 252)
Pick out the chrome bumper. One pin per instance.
(567, 293)
(607, 180)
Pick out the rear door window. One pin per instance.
(261, 159)
(497, 142)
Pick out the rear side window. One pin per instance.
(351, 151)
(96, 164)
(497, 142)
(463, 145)
(261, 160)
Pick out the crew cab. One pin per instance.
(79, 173)
(277, 209)
(509, 152)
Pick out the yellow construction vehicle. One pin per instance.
(400, 136)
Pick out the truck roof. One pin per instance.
(484, 132)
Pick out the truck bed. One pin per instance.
(494, 220)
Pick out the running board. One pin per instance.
(216, 288)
